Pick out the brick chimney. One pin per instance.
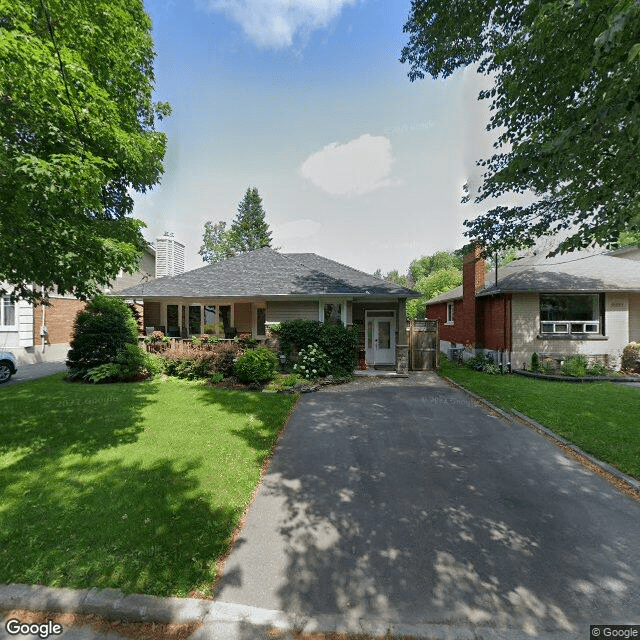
(473, 275)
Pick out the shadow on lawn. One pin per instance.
(142, 530)
(41, 417)
(69, 518)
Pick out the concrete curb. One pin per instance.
(631, 483)
(225, 621)
(110, 604)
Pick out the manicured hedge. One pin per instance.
(338, 342)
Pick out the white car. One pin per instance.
(8, 366)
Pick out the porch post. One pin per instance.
(402, 348)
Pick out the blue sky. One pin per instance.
(306, 100)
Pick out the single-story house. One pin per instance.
(40, 333)
(247, 293)
(581, 303)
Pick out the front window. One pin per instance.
(450, 307)
(7, 312)
(210, 314)
(194, 319)
(333, 313)
(225, 315)
(261, 320)
(570, 314)
(173, 326)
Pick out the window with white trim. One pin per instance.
(333, 313)
(450, 308)
(7, 313)
(571, 313)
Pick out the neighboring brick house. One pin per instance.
(587, 303)
(21, 322)
(248, 292)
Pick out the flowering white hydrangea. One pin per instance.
(312, 363)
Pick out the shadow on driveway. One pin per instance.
(412, 504)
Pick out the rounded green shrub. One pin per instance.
(256, 365)
(102, 333)
(535, 362)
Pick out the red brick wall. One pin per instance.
(59, 318)
(495, 312)
(455, 332)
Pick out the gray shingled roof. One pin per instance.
(264, 273)
(568, 273)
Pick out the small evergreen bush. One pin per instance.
(102, 333)
(575, 366)
(313, 363)
(535, 362)
(256, 365)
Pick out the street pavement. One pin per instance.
(405, 503)
(33, 371)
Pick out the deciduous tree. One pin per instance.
(77, 137)
(565, 103)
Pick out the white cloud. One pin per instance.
(275, 23)
(353, 168)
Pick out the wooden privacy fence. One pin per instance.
(424, 345)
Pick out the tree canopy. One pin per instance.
(565, 103)
(249, 230)
(76, 139)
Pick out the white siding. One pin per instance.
(283, 311)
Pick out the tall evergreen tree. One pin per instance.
(249, 230)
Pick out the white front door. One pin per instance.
(381, 340)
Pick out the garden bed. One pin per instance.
(561, 378)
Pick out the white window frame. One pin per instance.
(450, 312)
(8, 327)
(343, 308)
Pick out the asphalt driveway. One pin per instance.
(409, 503)
(37, 370)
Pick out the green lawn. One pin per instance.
(602, 418)
(133, 486)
